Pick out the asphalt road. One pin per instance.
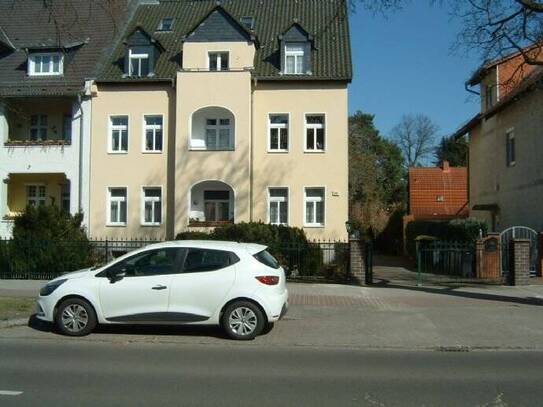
(79, 373)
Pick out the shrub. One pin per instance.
(48, 239)
(288, 244)
(193, 236)
(390, 240)
(458, 230)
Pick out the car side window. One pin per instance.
(150, 263)
(198, 260)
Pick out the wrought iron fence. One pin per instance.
(44, 260)
(452, 259)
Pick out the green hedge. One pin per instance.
(458, 230)
(288, 244)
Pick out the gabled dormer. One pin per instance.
(142, 52)
(6, 45)
(219, 42)
(296, 45)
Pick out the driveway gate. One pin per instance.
(519, 232)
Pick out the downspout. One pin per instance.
(251, 163)
(80, 169)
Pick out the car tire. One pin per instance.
(75, 317)
(243, 320)
(268, 328)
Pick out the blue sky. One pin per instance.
(403, 64)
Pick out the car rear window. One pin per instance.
(199, 260)
(266, 258)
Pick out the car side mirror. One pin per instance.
(115, 275)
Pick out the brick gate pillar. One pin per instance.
(357, 266)
(520, 261)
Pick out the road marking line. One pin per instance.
(10, 393)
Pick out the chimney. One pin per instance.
(445, 166)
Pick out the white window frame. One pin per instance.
(109, 200)
(36, 198)
(510, 135)
(218, 128)
(219, 61)
(145, 199)
(161, 27)
(278, 126)
(276, 199)
(314, 225)
(112, 128)
(314, 127)
(32, 64)
(139, 57)
(296, 55)
(153, 127)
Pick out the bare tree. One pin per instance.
(416, 136)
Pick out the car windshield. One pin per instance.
(266, 258)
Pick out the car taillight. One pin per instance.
(268, 280)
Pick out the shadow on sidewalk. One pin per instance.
(157, 330)
(454, 291)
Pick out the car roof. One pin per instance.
(251, 248)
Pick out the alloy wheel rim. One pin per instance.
(75, 318)
(242, 321)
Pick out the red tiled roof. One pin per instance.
(438, 193)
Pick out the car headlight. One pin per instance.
(52, 286)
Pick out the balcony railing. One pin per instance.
(209, 224)
(27, 143)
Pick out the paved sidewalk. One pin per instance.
(328, 315)
(20, 288)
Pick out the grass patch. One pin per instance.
(12, 307)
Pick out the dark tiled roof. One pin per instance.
(84, 29)
(325, 20)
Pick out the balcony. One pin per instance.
(211, 204)
(212, 129)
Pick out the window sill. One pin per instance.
(209, 224)
(36, 143)
(150, 224)
(117, 152)
(314, 225)
(115, 225)
(277, 151)
(212, 150)
(151, 152)
(315, 151)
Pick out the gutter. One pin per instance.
(251, 149)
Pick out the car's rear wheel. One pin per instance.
(75, 317)
(243, 320)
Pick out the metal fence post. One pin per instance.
(107, 252)
(419, 265)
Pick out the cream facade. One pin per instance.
(512, 193)
(505, 170)
(240, 145)
(132, 168)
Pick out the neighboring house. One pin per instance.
(216, 112)
(46, 56)
(438, 193)
(505, 144)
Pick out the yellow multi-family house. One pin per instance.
(211, 112)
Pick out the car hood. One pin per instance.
(74, 274)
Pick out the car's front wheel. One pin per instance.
(75, 317)
(243, 320)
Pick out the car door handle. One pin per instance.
(159, 287)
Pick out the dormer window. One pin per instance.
(218, 61)
(294, 58)
(138, 62)
(166, 24)
(42, 64)
(248, 22)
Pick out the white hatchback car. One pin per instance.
(238, 286)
